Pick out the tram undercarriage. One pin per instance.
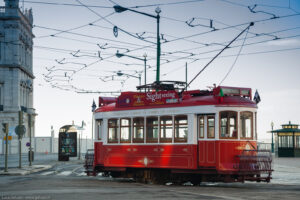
(253, 166)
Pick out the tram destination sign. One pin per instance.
(136, 99)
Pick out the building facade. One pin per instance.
(16, 73)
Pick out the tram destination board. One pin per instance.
(68, 144)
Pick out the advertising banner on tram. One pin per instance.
(147, 99)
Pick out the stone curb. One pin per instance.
(25, 170)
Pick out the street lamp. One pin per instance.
(93, 110)
(272, 145)
(119, 73)
(119, 55)
(120, 9)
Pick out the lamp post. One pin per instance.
(272, 145)
(120, 9)
(119, 55)
(93, 110)
(119, 73)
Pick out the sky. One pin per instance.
(74, 58)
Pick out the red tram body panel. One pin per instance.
(199, 135)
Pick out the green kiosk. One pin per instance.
(287, 140)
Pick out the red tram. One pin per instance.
(166, 135)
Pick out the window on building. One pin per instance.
(166, 129)
(181, 128)
(246, 123)
(285, 141)
(201, 126)
(211, 126)
(152, 129)
(297, 141)
(125, 130)
(228, 124)
(138, 130)
(113, 127)
(99, 129)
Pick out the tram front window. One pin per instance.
(152, 129)
(113, 127)
(99, 129)
(228, 124)
(125, 130)
(138, 130)
(246, 121)
(166, 129)
(181, 128)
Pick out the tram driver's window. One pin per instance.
(246, 123)
(166, 129)
(152, 129)
(181, 128)
(113, 127)
(228, 124)
(138, 130)
(99, 129)
(125, 134)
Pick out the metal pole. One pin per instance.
(272, 145)
(140, 79)
(30, 149)
(186, 77)
(20, 143)
(6, 146)
(79, 147)
(145, 63)
(92, 126)
(158, 51)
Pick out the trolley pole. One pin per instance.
(5, 130)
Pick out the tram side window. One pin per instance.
(246, 121)
(211, 126)
(228, 124)
(201, 126)
(181, 128)
(166, 129)
(152, 129)
(138, 130)
(113, 127)
(125, 134)
(99, 129)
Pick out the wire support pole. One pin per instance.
(251, 24)
(158, 51)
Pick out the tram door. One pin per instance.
(206, 140)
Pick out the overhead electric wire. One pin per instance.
(251, 24)
(75, 28)
(89, 36)
(166, 4)
(257, 21)
(236, 58)
(66, 4)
